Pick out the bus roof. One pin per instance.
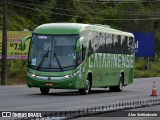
(60, 28)
(76, 28)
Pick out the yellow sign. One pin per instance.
(14, 39)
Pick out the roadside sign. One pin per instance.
(13, 44)
(145, 44)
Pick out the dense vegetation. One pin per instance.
(133, 16)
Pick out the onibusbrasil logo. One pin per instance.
(21, 114)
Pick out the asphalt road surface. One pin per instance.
(22, 98)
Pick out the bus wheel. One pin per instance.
(118, 88)
(44, 91)
(87, 89)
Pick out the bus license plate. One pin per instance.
(49, 84)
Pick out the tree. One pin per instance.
(63, 10)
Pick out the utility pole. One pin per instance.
(4, 45)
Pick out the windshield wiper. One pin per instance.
(42, 60)
(59, 64)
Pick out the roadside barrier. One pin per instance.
(67, 115)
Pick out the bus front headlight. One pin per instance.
(31, 74)
(71, 75)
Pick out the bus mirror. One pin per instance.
(79, 44)
(23, 43)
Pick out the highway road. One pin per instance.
(22, 98)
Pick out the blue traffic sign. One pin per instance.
(144, 44)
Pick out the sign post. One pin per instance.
(148, 64)
(4, 45)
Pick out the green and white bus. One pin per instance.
(79, 56)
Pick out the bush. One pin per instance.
(141, 68)
(17, 71)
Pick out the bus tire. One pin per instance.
(44, 91)
(118, 88)
(87, 89)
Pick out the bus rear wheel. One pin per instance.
(87, 89)
(44, 91)
(118, 88)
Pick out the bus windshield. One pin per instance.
(52, 52)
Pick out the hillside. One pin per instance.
(141, 16)
(129, 16)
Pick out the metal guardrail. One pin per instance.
(65, 115)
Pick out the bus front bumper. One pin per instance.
(53, 82)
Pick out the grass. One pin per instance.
(16, 72)
(142, 71)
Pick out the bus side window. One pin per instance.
(131, 45)
(90, 50)
(125, 45)
(85, 35)
(110, 43)
(79, 57)
(117, 44)
(83, 52)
